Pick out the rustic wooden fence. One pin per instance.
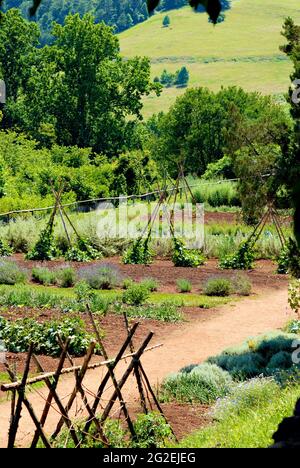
(20, 399)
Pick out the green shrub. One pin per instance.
(151, 284)
(18, 335)
(267, 355)
(5, 250)
(246, 396)
(242, 285)
(165, 312)
(242, 260)
(45, 248)
(127, 283)
(152, 431)
(202, 384)
(43, 276)
(219, 287)
(184, 286)
(105, 277)
(293, 327)
(82, 251)
(136, 295)
(11, 273)
(139, 253)
(66, 277)
(183, 257)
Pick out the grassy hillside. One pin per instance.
(244, 50)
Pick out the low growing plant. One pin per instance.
(184, 286)
(151, 284)
(105, 277)
(183, 257)
(219, 287)
(11, 273)
(139, 253)
(197, 384)
(136, 295)
(243, 259)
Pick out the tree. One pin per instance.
(166, 21)
(182, 78)
(82, 87)
(18, 39)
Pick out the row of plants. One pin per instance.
(220, 286)
(18, 335)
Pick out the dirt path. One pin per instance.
(189, 343)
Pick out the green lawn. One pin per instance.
(243, 51)
(252, 428)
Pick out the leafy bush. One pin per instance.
(45, 248)
(18, 335)
(293, 327)
(152, 431)
(268, 355)
(242, 260)
(184, 286)
(105, 277)
(165, 312)
(242, 285)
(127, 283)
(11, 273)
(294, 295)
(151, 284)
(183, 257)
(200, 384)
(136, 295)
(43, 276)
(64, 277)
(139, 253)
(5, 250)
(220, 287)
(83, 251)
(283, 261)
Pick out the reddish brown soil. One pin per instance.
(264, 274)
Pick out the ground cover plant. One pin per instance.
(248, 417)
(218, 287)
(11, 273)
(267, 355)
(197, 384)
(18, 335)
(184, 286)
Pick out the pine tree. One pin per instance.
(166, 21)
(182, 78)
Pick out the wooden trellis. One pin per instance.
(20, 400)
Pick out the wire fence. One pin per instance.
(121, 198)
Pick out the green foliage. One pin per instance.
(220, 287)
(139, 253)
(5, 250)
(217, 194)
(18, 335)
(66, 277)
(180, 78)
(104, 277)
(44, 249)
(242, 260)
(43, 276)
(152, 431)
(136, 295)
(233, 116)
(241, 285)
(166, 21)
(267, 355)
(167, 311)
(83, 251)
(250, 423)
(293, 327)
(198, 384)
(219, 169)
(183, 257)
(294, 295)
(11, 273)
(184, 286)
(151, 284)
